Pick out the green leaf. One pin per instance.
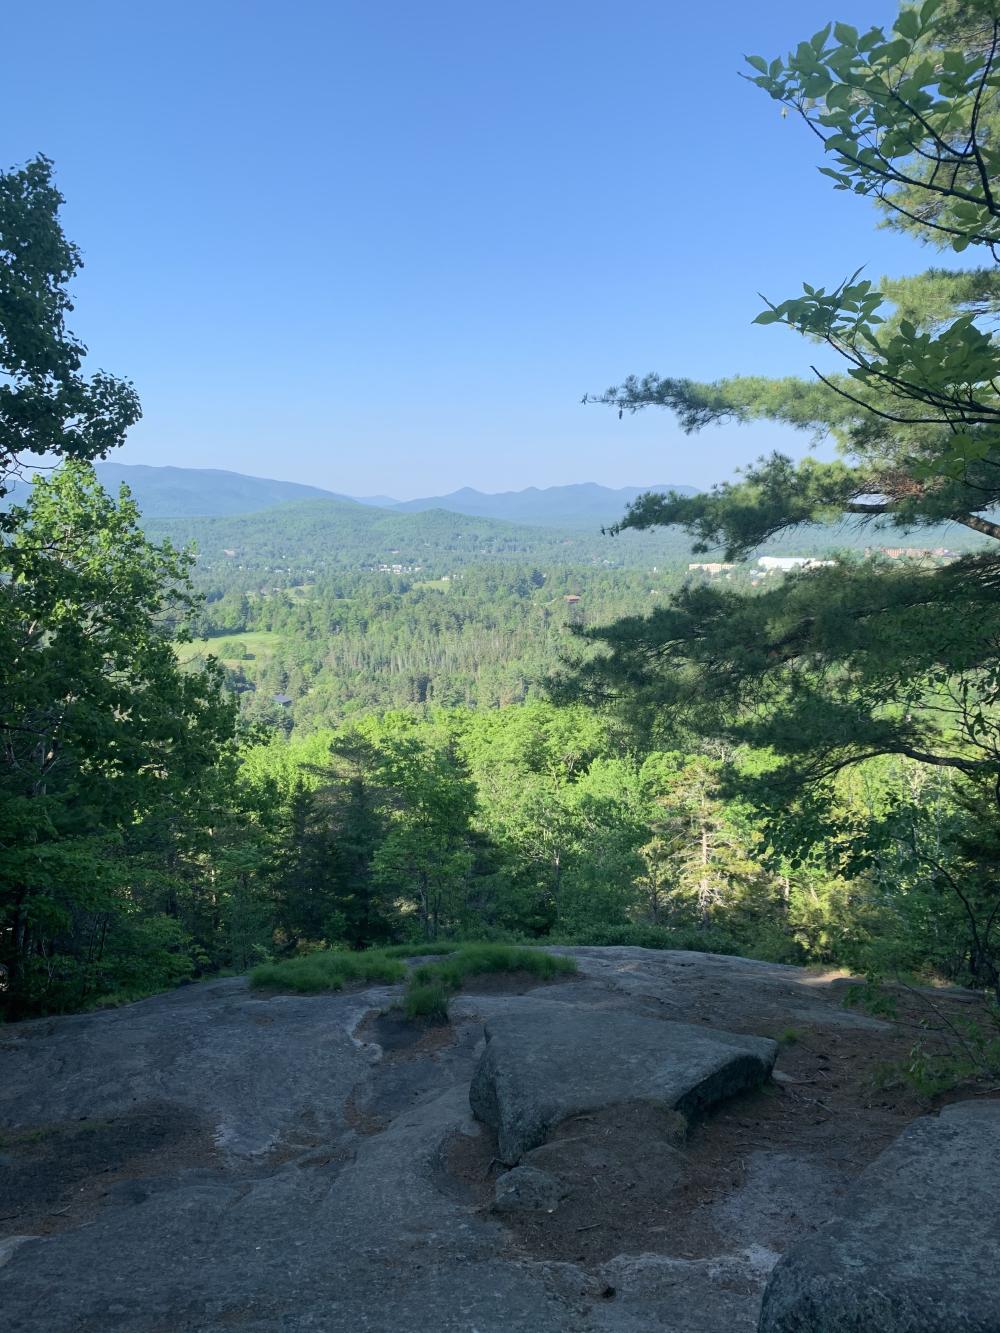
(871, 39)
(907, 24)
(893, 52)
(838, 97)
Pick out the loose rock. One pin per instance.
(526, 1189)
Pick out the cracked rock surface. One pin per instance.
(211, 1159)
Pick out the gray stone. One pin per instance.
(655, 1293)
(312, 1183)
(915, 1246)
(546, 1061)
(248, 1066)
(8, 1244)
(527, 1190)
(720, 989)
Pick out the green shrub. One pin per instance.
(443, 948)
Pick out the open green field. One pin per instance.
(254, 645)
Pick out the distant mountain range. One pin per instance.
(190, 492)
(180, 492)
(227, 510)
(582, 505)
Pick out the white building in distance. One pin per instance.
(712, 568)
(785, 564)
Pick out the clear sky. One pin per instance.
(386, 246)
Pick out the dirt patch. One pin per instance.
(56, 1176)
(763, 1168)
(307, 1142)
(401, 1036)
(409, 1068)
(362, 1119)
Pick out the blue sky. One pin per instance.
(386, 247)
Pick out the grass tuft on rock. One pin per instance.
(475, 959)
(429, 985)
(326, 971)
(428, 1001)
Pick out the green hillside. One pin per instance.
(327, 535)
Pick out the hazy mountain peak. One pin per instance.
(188, 492)
(575, 505)
(185, 492)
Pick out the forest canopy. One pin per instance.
(329, 729)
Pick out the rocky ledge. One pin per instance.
(607, 1152)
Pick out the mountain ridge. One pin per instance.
(179, 492)
(437, 528)
(573, 505)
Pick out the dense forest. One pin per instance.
(329, 536)
(332, 726)
(485, 637)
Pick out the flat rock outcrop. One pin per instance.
(915, 1246)
(545, 1062)
(212, 1160)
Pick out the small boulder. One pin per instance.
(545, 1062)
(913, 1248)
(527, 1190)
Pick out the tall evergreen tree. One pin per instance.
(838, 666)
